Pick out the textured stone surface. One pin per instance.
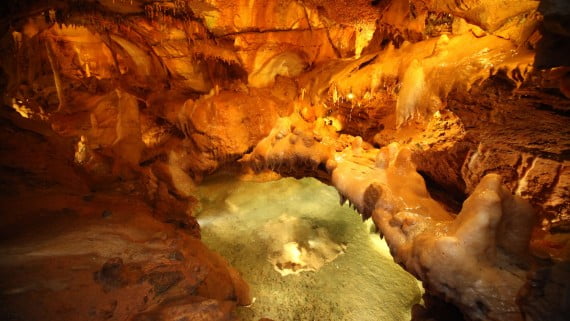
(62, 241)
(485, 248)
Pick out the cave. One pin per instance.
(285, 160)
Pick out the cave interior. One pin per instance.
(137, 136)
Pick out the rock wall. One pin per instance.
(71, 253)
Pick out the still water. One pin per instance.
(304, 256)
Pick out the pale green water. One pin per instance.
(362, 284)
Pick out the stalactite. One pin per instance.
(56, 77)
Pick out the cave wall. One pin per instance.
(76, 59)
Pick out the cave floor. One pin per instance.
(239, 220)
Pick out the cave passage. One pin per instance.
(256, 226)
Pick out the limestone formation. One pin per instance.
(445, 122)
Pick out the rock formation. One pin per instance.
(443, 121)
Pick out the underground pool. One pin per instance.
(304, 256)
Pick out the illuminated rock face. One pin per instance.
(477, 260)
(72, 253)
(146, 98)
